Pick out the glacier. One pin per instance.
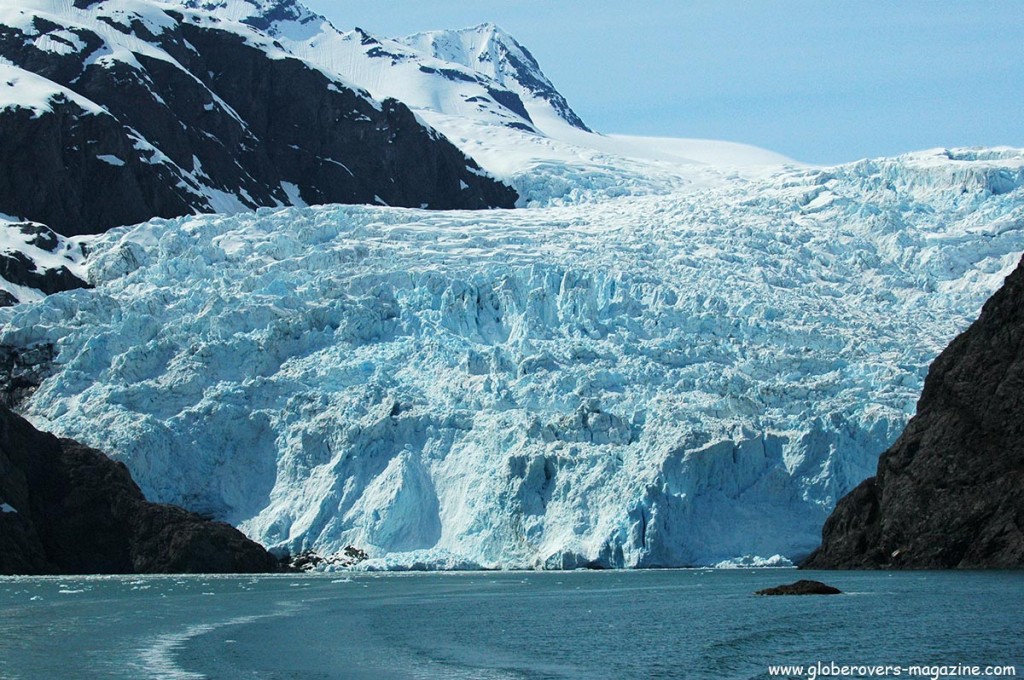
(674, 353)
(653, 364)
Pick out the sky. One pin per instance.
(821, 82)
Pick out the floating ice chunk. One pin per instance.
(754, 561)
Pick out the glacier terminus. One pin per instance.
(683, 378)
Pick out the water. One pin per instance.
(648, 624)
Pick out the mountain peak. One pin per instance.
(487, 26)
(270, 16)
(492, 51)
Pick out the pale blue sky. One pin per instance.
(820, 81)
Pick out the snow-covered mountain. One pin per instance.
(479, 73)
(480, 87)
(691, 376)
(120, 110)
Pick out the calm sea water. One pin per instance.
(649, 624)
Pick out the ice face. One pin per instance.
(692, 377)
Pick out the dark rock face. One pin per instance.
(310, 560)
(61, 180)
(22, 371)
(527, 72)
(948, 494)
(801, 587)
(220, 124)
(68, 509)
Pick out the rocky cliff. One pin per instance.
(68, 509)
(948, 493)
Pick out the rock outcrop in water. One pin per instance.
(948, 492)
(801, 587)
(68, 509)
